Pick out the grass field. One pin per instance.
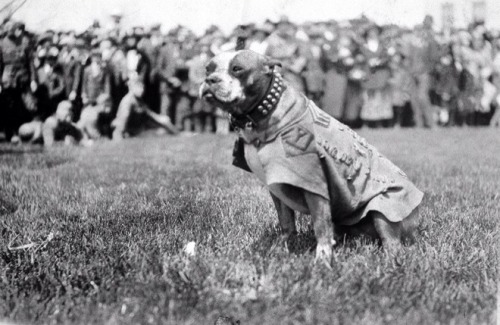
(96, 236)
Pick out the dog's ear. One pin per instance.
(270, 64)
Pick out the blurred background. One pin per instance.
(198, 15)
(88, 70)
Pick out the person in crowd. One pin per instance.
(44, 43)
(401, 86)
(60, 126)
(95, 79)
(50, 90)
(445, 87)
(72, 59)
(133, 115)
(95, 121)
(116, 66)
(313, 75)
(423, 54)
(469, 83)
(377, 106)
(182, 100)
(284, 47)
(162, 56)
(484, 75)
(495, 119)
(200, 116)
(137, 62)
(359, 72)
(337, 58)
(258, 38)
(31, 132)
(17, 80)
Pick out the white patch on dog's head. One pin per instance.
(220, 83)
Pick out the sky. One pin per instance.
(199, 14)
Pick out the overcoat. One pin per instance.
(306, 148)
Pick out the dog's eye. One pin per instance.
(237, 68)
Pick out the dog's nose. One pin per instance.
(213, 79)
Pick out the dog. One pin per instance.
(309, 161)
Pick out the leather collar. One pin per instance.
(264, 107)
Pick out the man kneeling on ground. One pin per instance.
(56, 127)
(59, 127)
(94, 120)
(133, 115)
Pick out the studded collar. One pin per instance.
(264, 107)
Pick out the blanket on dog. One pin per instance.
(313, 151)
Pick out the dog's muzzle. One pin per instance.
(205, 92)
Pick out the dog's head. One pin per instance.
(236, 80)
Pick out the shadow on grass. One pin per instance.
(33, 157)
(6, 204)
(8, 149)
(304, 242)
(300, 243)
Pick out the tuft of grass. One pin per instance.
(96, 236)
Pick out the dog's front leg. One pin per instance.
(286, 217)
(319, 208)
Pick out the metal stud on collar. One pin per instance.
(249, 121)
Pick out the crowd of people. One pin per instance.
(114, 83)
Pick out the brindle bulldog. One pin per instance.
(309, 161)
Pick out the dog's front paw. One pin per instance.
(324, 252)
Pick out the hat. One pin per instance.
(18, 25)
(155, 27)
(12, 26)
(47, 36)
(138, 31)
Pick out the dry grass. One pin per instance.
(105, 228)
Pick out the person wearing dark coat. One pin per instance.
(137, 62)
(377, 103)
(95, 80)
(284, 47)
(163, 63)
(116, 66)
(334, 54)
(423, 55)
(51, 88)
(70, 60)
(17, 75)
(313, 75)
(343, 75)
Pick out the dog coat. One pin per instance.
(313, 151)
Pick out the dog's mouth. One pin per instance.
(219, 97)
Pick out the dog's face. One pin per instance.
(236, 80)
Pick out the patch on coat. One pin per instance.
(297, 141)
(321, 118)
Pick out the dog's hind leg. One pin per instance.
(409, 226)
(286, 217)
(389, 232)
